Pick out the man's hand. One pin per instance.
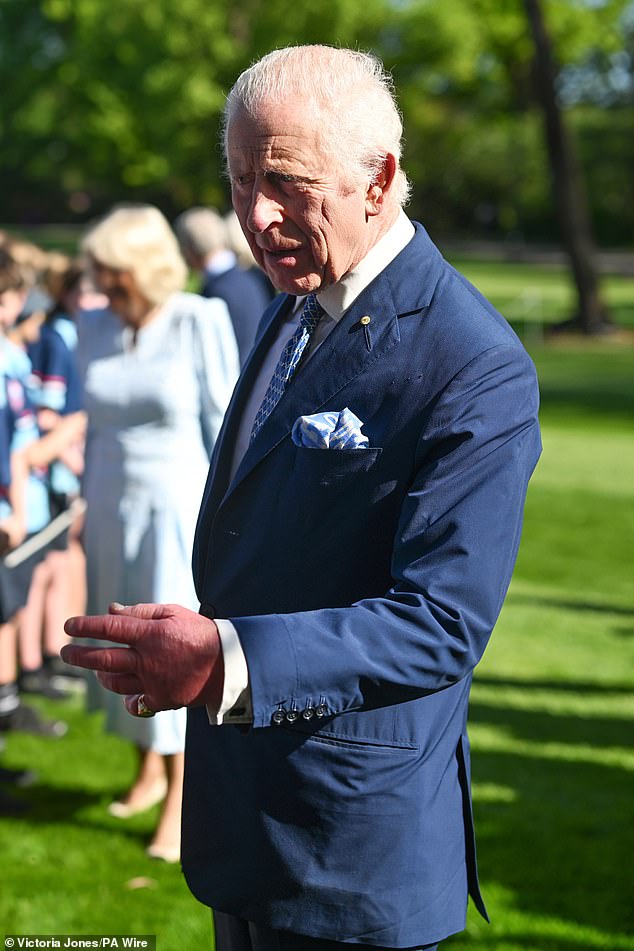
(174, 657)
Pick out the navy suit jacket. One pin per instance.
(364, 586)
(246, 297)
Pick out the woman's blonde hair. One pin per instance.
(138, 239)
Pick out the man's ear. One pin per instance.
(380, 186)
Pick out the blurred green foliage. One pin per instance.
(104, 102)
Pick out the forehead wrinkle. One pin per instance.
(271, 154)
(268, 140)
(271, 128)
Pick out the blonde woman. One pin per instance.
(159, 367)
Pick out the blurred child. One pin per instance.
(58, 586)
(17, 506)
(22, 333)
(17, 424)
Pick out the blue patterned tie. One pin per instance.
(289, 361)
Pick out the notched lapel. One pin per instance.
(245, 384)
(406, 286)
(344, 354)
(220, 467)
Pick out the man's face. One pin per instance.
(306, 224)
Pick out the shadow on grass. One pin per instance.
(563, 845)
(560, 833)
(624, 631)
(586, 383)
(590, 688)
(52, 804)
(49, 804)
(596, 395)
(511, 940)
(533, 600)
(543, 727)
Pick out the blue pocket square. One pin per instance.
(329, 431)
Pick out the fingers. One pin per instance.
(120, 683)
(125, 624)
(148, 612)
(124, 629)
(117, 660)
(170, 652)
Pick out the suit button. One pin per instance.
(321, 710)
(308, 713)
(278, 717)
(292, 715)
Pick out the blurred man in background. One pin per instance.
(202, 234)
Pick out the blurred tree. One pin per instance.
(568, 185)
(103, 100)
(107, 98)
(494, 74)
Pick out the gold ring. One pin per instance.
(142, 709)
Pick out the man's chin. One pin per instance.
(297, 284)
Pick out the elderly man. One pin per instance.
(355, 542)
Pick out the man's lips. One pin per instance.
(282, 251)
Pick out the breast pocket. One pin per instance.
(333, 468)
(324, 481)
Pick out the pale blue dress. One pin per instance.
(154, 407)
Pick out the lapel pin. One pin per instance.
(365, 323)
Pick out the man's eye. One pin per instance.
(281, 178)
(241, 180)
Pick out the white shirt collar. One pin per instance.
(337, 298)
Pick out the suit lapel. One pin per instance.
(220, 465)
(350, 349)
(405, 286)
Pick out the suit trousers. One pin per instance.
(236, 934)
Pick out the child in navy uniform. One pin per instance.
(18, 432)
(47, 340)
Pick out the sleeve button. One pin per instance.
(291, 715)
(278, 717)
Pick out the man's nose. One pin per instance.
(264, 211)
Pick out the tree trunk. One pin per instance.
(567, 182)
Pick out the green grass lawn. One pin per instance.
(530, 294)
(553, 704)
(551, 724)
(69, 866)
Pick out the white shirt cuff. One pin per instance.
(235, 706)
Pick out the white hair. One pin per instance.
(201, 231)
(138, 239)
(348, 94)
